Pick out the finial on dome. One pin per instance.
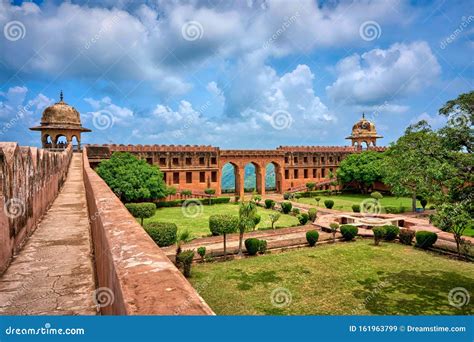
(363, 115)
(61, 97)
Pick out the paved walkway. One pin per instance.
(53, 273)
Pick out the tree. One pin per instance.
(310, 186)
(363, 169)
(210, 192)
(416, 164)
(334, 227)
(132, 179)
(222, 225)
(141, 210)
(453, 218)
(274, 218)
(247, 212)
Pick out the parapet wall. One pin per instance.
(30, 179)
(130, 267)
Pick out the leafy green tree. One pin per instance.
(310, 186)
(364, 169)
(223, 224)
(141, 210)
(247, 213)
(274, 218)
(132, 179)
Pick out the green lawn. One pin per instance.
(341, 279)
(199, 226)
(469, 232)
(345, 201)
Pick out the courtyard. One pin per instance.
(336, 279)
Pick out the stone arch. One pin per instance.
(277, 169)
(75, 141)
(61, 141)
(47, 141)
(234, 178)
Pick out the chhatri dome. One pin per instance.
(364, 132)
(60, 124)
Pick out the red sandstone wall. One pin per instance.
(30, 180)
(142, 279)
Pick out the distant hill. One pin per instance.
(228, 179)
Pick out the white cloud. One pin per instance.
(435, 121)
(104, 106)
(381, 75)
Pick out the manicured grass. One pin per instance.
(199, 226)
(341, 279)
(345, 201)
(469, 232)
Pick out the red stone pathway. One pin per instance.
(53, 273)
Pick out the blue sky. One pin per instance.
(234, 74)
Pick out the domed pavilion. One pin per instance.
(60, 126)
(364, 132)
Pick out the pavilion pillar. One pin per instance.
(239, 181)
(260, 179)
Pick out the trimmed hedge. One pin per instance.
(295, 211)
(269, 203)
(262, 246)
(186, 260)
(252, 245)
(379, 234)
(312, 214)
(391, 232)
(312, 237)
(394, 210)
(329, 204)
(286, 207)
(141, 210)
(425, 239)
(406, 236)
(202, 251)
(314, 193)
(356, 208)
(223, 224)
(204, 201)
(163, 233)
(303, 218)
(349, 232)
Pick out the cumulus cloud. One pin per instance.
(105, 108)
(381, 75)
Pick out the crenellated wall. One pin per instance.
(140, 277)
(30, 179)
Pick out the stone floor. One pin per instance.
(53, 273)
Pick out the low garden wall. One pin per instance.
(131, 269)
(30, 179)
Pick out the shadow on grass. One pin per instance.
(247, 281)
(414, 293)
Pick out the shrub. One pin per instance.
(376, 195)
(423, 203)
(287, 196)
(349, 232)
(141, 210)
(269, 203)
(312, 214)
(329, 204)
(262, 246)
(295, 211)
(297, 196)
(391, 232)
(163, 233)
(186, 260)
(209, 191)
(252, 245)
(256, 219)
(334, 226)
(303, 218)
(432, 207)
(356, 208)
(406, 236)
(286, 207)
(312, 237)
(379, 234)
(257, 198)
(202, 252)
(220, 200)
(425, 239)
(186, 192)
(274, 218)
(310, 186)
(317, 199)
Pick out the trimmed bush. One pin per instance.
(303, 218)
(202, 252)
(312, 214)
(376, 195)
(423, 203)
(297, 196)
(186, 192)
(356, 208)
(209, 191)
(310, 186)
(295, 211)
(287, 196)
(252, 246)
(186, 260)
(379, 234)
(163, 233)
(223, 224)
(317, 199)
(349, 232)
(286, 207)
(269, 203)
(391, 232)
(425, 239)
(262, 246)
(329, 204)
(256, 219)
(406, 236)
(141, 210)
(220, 200)
(312, 237)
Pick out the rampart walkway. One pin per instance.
(53, 273)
